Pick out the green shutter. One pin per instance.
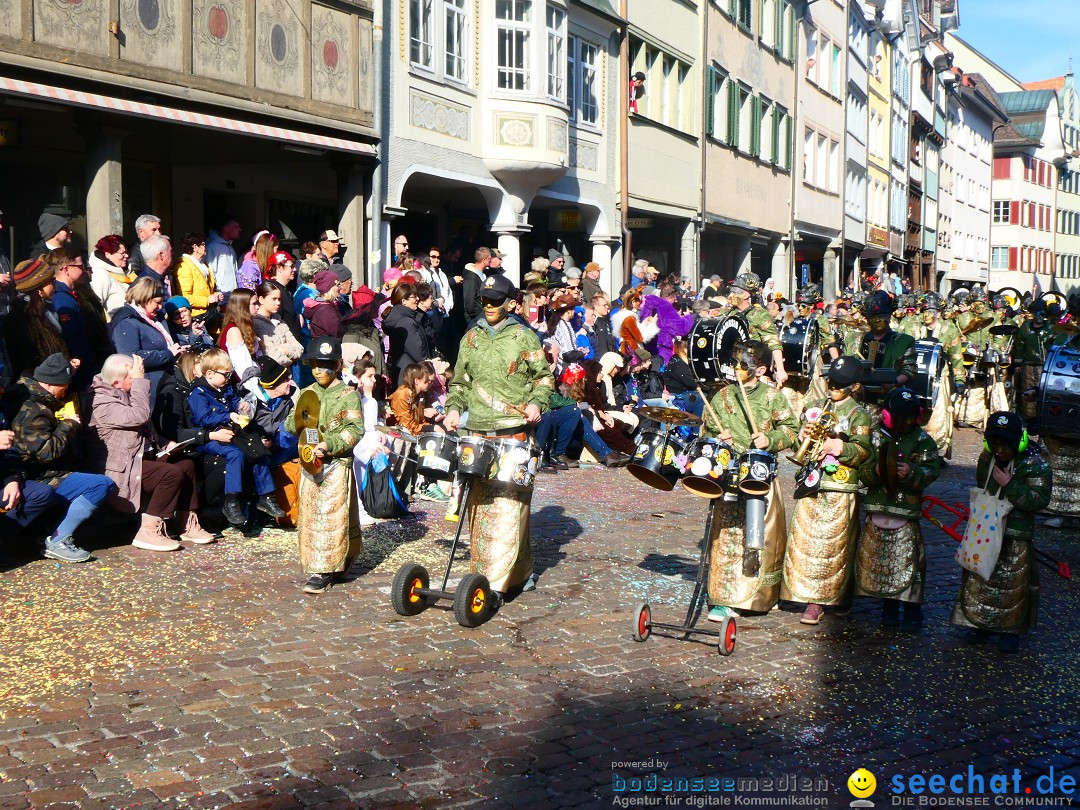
(710, 101)
(778, 28)
(733, 114)
(755, 126)
(775, 135)
(787, 141)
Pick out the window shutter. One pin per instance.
(1014, 213)
(1013, 258)
(755, 126)
(1031, 215)
(775, 135)
(788, 134)
(733, 114)
(710, 101)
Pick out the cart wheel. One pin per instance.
(642, 622)
(726, 645)
(473, 602)
(403, 594)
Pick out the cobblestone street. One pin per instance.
(206, 678)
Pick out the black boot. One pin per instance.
(890, 613)
(232, 510)
(267, 504)
(912, 618)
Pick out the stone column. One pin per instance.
(104, 183)
(610, 275)
(351, 187)
(688, 263)
(781, 267)
(741, 255)
(830, 273)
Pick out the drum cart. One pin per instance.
(643, 624)
(473, 600)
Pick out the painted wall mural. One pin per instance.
(151, 35)
(78, 25)
(333, 56)
(277, 46)
(219, 29)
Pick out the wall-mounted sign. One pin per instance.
(565, 220)
(638, 223)
(9, 132)
(877, 236)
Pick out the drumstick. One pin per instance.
(709, 408)
(746, 404)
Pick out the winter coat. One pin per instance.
(172, 413)
(303, 294)
(401, 405)
(249, 276)
(367, 335)
(287, 315)
(164, 280)
(672, 325)
(678, 377)
(323, 317)
(118, 436)
(633, 331)
(131, 334)
(109, 282)
(221, 258)
(470, 293)
(196, 284)
(45, 444)
(211, 408)
(277, 341)
(603, 338)
(407, 341)
(66, 305)
(589, 288)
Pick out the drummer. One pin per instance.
(502, 383)
(1033, 339)
(744, 289)
(884, 348)
(752, 583)
(328, 522)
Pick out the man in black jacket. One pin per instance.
(604, 339)
(474, 280)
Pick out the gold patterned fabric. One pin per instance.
(1031, 375)
(1009, 601)
(1065, 462)
(971, 406)
(740, 578)
(821, 549)
(498, 519)
(329, 524)
(891, 563)
(940, 426)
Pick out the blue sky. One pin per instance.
(1032, 39)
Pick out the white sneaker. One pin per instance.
(1056, 522)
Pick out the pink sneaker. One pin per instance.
(194, 532)
(812, 614)
(152, 537)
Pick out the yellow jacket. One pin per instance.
(194, 286)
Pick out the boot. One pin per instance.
(194, 532)
(268, 505)
(152, 537)
(232, 510)
(912, 618)
(890, 613)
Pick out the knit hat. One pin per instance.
(32, 274)
(362, 296)
(54, 370)
(343, 272)
(324, 280)
(280, 257)
(51, 224)
(271, 372)
(554, 254)
(391, 276)
(643, 355)
(175, 304)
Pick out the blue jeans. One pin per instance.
(235, 460)
(35, 500)
(562, 422)
(95, 488)
(585, 434)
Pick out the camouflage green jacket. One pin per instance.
(341, 418)
(853, 425)
(952, 344)
(894, 351)
(1032, 344)
(918, 450)
(772, 415)
(1028, 492)
(45, 444)
(499, 371)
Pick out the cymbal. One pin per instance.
(976, 324)
(1004, 329)
(1067, 328)
(671, 416)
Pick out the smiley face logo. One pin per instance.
(862, 783)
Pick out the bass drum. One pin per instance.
(927, 382)
(799, 342)
(710, 345)
(1059, 394)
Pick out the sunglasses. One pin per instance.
(434, 256)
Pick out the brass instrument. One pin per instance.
(816, 434)
(307, 429)
(888, 459)
(1067, 328)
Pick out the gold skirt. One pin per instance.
(1009, 602)
(971, 407)
(891, 563)
(820, 549)
(499, 533)
(328, 520)
(940, 426)
(740, 578)
(1031, 376)
(1065, 461)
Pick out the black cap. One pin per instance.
(902, 402)
(1005, 425)
(497, 289)
(271, 372)
(878, 305)
(324, 348)
(54, 370)
(846, 371)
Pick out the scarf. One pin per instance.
(202, 267)
(156, 324)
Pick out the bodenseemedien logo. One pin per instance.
(862, 784)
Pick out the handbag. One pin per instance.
(981, 546)
(379, 493)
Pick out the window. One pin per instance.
(808, 156)
(835, 73)
(999, 258)
(590, 106)
(716, 115)
(556, 51)
(834, 167)
(784, 35)
(668, 101)
(421, 23)
(513, 20)
(763, 140)
(743, 13)
(457, 22)
(768, 23)
(744, 117)
(781, 136)
(1001, 212)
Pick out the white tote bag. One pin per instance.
(981, 546)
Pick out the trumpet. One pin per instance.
(816, 434)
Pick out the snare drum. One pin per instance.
(757, 468)
(516, 463)
(476, 457)
(708, 463)
(710, 346)
(654, 459)
(436, 455)
(799, 342)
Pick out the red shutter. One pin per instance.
(1002, 168)
(1014, 213)
(1031, 215)
(1013, 258)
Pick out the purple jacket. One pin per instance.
(672, 325)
